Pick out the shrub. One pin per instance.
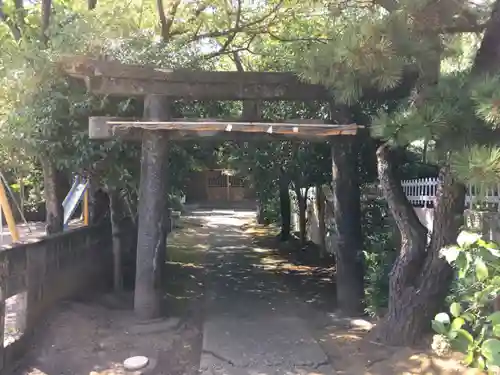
(471, 325)
(379, 251)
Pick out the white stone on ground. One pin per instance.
(135, 363)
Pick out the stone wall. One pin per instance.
(484, 222)
(312, 214)
(34, 276)
(487, 223)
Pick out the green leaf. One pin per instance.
(488, 255)
(469, 358)
(481, 363)
(443, 318)
(465, 334)
(455, 309)
(496, 330)
(482, 297)
(481, 269)
(493, 249)
(457, 323)
(450, 253)
(492, 246)
(481, 243)
(462, 263)
(490, 349)
(495, 318)
(452, 334)
(466, 239)
(439, 327)
(461, 343)
(468, 316)
(482, 334)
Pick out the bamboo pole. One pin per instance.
(9, 217)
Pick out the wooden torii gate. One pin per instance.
(159, 87)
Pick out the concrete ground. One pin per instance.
(252, 321)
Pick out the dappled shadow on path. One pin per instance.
(301, 268)
(252, 322)
(250, 273)
(235, 270)
(344, 340)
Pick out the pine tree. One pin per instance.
(453, 113)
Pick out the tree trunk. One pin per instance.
(166, 21)
(260, 211)
(21, 195)
(91, 4)
(285, 208)
(152, 213)
(20, 15)
(99, 207)
(487, 61)
(320, 205)
(347, 215)
(93, 207)
(488, 56)
(46, 10)
(11, 23)
(54, 196)
(302, 202)
(116, 208)
(419, 279)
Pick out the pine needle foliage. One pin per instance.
(486, 96)
(360, 54)
(478, 165)
(372, 48)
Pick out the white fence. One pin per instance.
(422, 192)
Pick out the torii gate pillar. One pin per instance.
(152, 231)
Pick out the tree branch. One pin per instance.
(464, 28)
(466, 24)
(46, 10)
(197, 13)
(226, 51)
(389, 5)
(14, 29)
(238, 62)
(407, 266)
(171, 16)
(448, 213)
(166, 22)
(488, 56)
(20, 14)
(91, 4)
(240, 28)
(163, 19)
(231, 37)
(286, 40)
(400, 207)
